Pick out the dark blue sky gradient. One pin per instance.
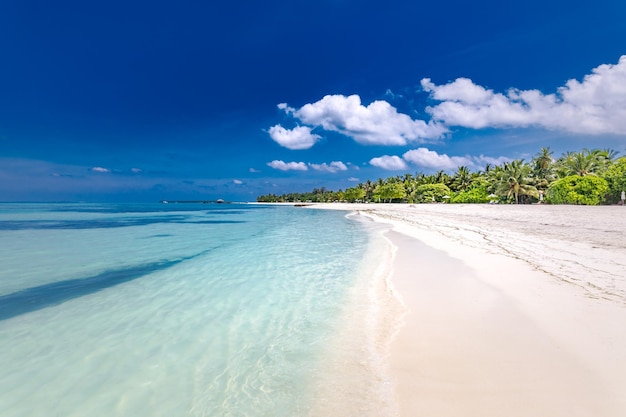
(184, 92)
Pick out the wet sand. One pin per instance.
(509, 310)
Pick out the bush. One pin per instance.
(472, 196)
(588, 190)
(390, 192)
(615, 176)
(430, 193)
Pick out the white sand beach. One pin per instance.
(509, 310)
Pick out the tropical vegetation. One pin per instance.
(588, 177)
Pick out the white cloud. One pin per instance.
(483, 160)
(379, 123)
(238, 182)
(100, 169)
(597, 105)
(431, 160)
(462, 89)
(391, 163)
(285, 107)
(426, 158)
(135, 170)
(288, 166)
(334, 166)
(299, 137)
(353, 179)
(254, 171)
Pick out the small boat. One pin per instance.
(219, 201)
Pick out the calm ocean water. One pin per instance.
(188, 310)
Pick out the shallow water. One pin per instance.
(183, 310)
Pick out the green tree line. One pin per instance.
(588, 177)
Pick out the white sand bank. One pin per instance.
(510, 310)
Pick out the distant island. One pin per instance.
(218, 201)
(587, 177)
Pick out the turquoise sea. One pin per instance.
(191, 310)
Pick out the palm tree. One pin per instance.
(514, 180)
(543, 168)
(441, 177)
(609, 154)
(420, 178)
(368, 186)
(543, 160)
(607, 157)
(581, 163)
(410, 184)
(462, 179)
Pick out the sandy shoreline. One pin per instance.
(511, 310)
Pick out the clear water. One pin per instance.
(187, 310)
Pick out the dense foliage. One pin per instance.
(471, 196)
(615, 176)
(574, 189)
(586, 177)
(431, 193)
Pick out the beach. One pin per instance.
(367, 310)
(507, 310)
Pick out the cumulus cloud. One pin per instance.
(483, 160)
(391, 163)
(426, 158)
(378, 123)
(333, 167)
(238, 182)
(431, 160)
(288, 166)
(299, 137)
(100, 169)
(285, 107)
(596, 105)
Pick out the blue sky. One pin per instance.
(142, 101)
